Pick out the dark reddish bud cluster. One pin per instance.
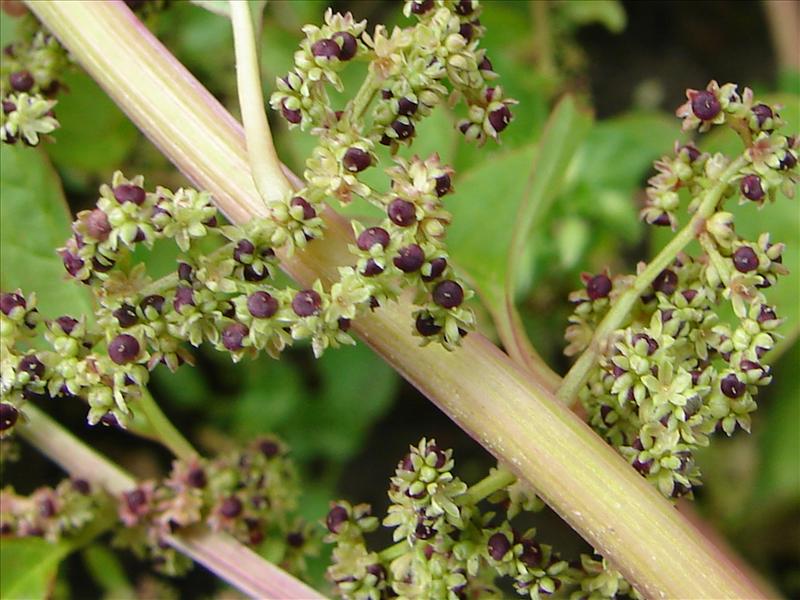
(406, 107)
(231, 507)
(788, 161)
(342, 45)
(294, 116)
(750, 185)
(705, 105)
(153, 301)
(67, 324)
(184, 296)
(402, 129)
(31, 365)
(243, 252)
(443, 185)
(762, 112)
(97, 225)
(464, 7)
(356, 160)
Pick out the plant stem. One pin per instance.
(219, 553)
(165, 431)
(579, 373)
(270, 181)
(572, 469)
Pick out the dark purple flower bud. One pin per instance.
(438, 265)
(598, 286)
(377, 571)
(402, 212)
(306, 303)
(662, 220)
(679, 490)
(231, 507)
(21, 81)
(426, 326)
(81, 486)
(294, 116)
(356, 160)
(337, 517)
(153, 301)
(692, 152)
(485, 64)
(666, 282)
(102, 266)
(652, 345)
(762, 113)
(308, 210)
(344, 324)
(97, 225)
(750, 365)
(443, 185)
(464, 127)
(110, 420)
(766, 313)
(136, 499)
(252, 274)
(10, 301)
(126, 316)
(269, 448)
(374, 235)
(420, 7)
(466, 31)
(403, 130)
(731, 386)
(464, 7)
(244, 249)
(441, 457)
(196, 478)
(72, 262)
(500, 118)
(67, 324)
(642, 467)
(261, 305)
(8, 107)
(123, 349)
(295, 539)
(406, 106)
(788, 161)
(531, 553)
(498, 546)
(751, 187)
(448, 294)
(184, 296)
(423, 532)
(8, 415)
(31, 365)
(325, 48)
(184, 271)
(349, 47)
(372, 268)
(705, 105)
(233, 335)
(129, 193)
(745, 259)
(409, 259)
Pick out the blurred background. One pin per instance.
(348, 417)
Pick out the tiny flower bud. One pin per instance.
(184, 296)
(21, 81)
(153, 301)
(184, 271)
(788, 161)
(498, 546)
(356, 160)
(308, 210)
(10, 301)
(500, 118)
(531, 553)
(261, 305)
(32, 365)
(766, 313)
(374, 235)
(751, 187)
(372, 268)
(336, 518)
(126, 316)
(233, 336)
(67, 324)
(8, 415)
(762, 113)
(292, 115)
(402, 212)
(420, 7)
(409, 259)
(406, 106)
(72, 262)
(8, 107)
(269, 448)
(438, 265)
(325, 48)
(135, 499)
(705, 105)
(426, 326)
(731, 386)
(129, 193)
(448, 294)
(196, 478)
(97, 225)
(123, 349)
(348, 43)
(306, 303)
(423, 532)
(231, 507)
(485, 64)
(745, 259)
(81, 486)
(598, 286)
(464, 7)
(403, 130)
(443, 185)
(666, 282)
(243, 252)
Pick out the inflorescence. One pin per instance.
(676, 371)
(448, 547)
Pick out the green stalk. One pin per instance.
(162, 427)
(478, 386)
(219, 553)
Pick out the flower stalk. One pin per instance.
(572, 469)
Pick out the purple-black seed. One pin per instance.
(129, 193)
(598, 286)
(406, 106)
(243, 249)
(344, 324)
(294, 116)
(750, 185)
(261, 305)
(231, 507)
(531, 553)
(402, 129)
(766, 313)
(423, 532)
(123, 349)
(184, 296)
(402, 212)
(485, 64)
(308, 210)
(269, 448)
(8, 415)
(666, 282)
(349, 47)
(731, 386)
(295, 539)
(448, 294)
(466, 30)
(325, 48)
(371, 236)
(254, 275)
(356, 160)
(153, 301)
(409, 259)
(500, 118)
(762, 113)
(438, 265)
(21, 81)
(443, 185)
(337, 517)
(705, 105)
(788, 161)
(426, 326)
(67, 324)
(498, 546)
(9, 301)
(102, 266)
(233, 336)
(372, 268)
(745, 259)
(306, 303)
(464, 7)
(126, 316)
(420, 7)
(31, 365)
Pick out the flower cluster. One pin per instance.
(447, 547)
(29, 80)
(676, 371)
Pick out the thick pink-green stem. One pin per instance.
(218, 552)
(514, 417)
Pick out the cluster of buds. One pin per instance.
(29, 80)
(447, 547)
(49, 513)
(250, 494)
(676, 372)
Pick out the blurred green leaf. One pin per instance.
(609, 13)
(34, 221)
(28, 567)
(107, 572)
(95, 136)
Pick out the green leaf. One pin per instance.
(608, 13)
(34, 221)
(95, 136)
(107, 572)
(29, 567)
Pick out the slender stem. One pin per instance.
(219, 553)
(715, 257)
(573, 470)
(579, 373)
(268, 176)
(165, 431)
(363, 98)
